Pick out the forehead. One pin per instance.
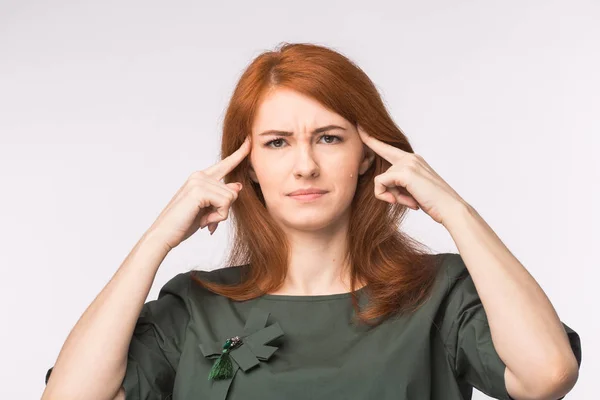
(287, 109)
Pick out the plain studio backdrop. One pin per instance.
(107, 107)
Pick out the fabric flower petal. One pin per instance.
(249, 353)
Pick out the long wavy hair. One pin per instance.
(398, 271)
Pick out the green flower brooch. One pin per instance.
(241, 352)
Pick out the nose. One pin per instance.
(305, 164)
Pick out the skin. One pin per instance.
(330, 160)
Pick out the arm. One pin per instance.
(525, 328)
(526, 331)
(93, 359)
(120, 395)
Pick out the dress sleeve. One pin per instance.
(467, 336)
(156, 343)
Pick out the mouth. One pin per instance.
(307, 196)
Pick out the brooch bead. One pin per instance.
(223, 367)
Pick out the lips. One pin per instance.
(307, 191)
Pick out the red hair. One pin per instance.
(398, 270)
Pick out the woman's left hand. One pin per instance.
(411, 181)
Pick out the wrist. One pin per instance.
(458, 212)
(154, 240)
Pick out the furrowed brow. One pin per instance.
(314, 132)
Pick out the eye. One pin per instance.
(268, 144)
(339, 139)
(279, 140)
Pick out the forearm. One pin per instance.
(526, 330)
(93, 359)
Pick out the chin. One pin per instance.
(310, 221)
(306, 227)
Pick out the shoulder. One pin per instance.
(178, 285)
(459, 294)
(183, 283)
(452, 268)
(452, 280)
(231, 275)
(227, 275)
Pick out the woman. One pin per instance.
(324, 297)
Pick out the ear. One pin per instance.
(251, 172)
(368, 158)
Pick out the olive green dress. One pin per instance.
(306, 347)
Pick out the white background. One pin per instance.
(107, 107)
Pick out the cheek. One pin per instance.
(345, 176)
(344, 165)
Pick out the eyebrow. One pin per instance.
(314, 132)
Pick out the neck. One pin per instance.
(317, 265)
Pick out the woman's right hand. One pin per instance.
(203, 200)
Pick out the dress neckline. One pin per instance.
(310, 298)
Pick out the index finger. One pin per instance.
(228, 164)
(387, 151)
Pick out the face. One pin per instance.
(320, 150)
